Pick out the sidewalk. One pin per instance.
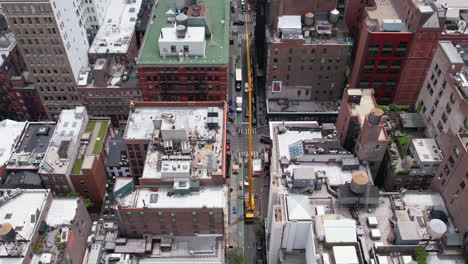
(236, 225)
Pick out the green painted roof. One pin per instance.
(217, 47)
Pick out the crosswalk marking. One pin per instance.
(245, 131)
(245, 154)
(245, 17)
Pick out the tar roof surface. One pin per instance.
(116, 145)
(32, 142)
(217, 48)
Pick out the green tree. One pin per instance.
(235, 256)
(88, 202)
(261, 229)
(420, 255)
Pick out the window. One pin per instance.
(395, 67)
(186, 49)
(8, 216)
(377, 83)
(382, 66)
(452, 98)
(447, 170)
(364, 82)
(401, 49)
(444, 118)
(369, 66)
(387, 49)
(377, 147)
(456, 151)
(440, 126)
(173, 49)
(462, 185)
(390, 84)
(451, 161)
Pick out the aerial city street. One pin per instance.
(233, 131)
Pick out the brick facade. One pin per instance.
(184, 83)
(135, 222)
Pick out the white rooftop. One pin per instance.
(62, 211)
(209, 197)
(299, 207)
(461, 4)
(21, 212)
(345, 255)
(193, 34)
(291, 136)
(140, 122)
(118, 28)
(365, 106)
(10, 131)
(451, 52)
(68, 128)
(333, 172)
(427, 150)
(290, 22)
(340, 231)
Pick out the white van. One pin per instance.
(239, 104)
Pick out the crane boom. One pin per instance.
(250, 202)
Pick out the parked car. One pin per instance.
(238, 23)
(234, 209)
(265, 140)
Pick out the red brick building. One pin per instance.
(183, 83)
(190, 64)
(89, 175)
(74, 160)
(361, 129)
(169, 211)
(165, 211)
(395, 44)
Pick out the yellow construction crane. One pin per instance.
(250, 200)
